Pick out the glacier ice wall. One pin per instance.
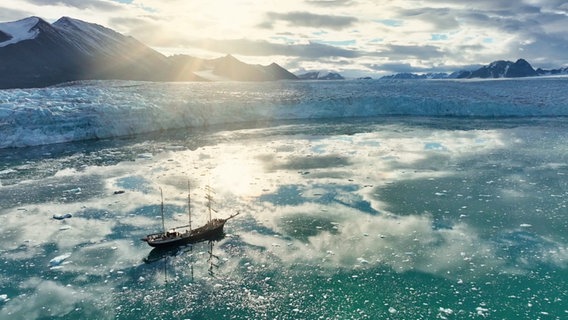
(104, 109)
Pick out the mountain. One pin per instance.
(496, 69)
(505, 69)
(230, 68)
(560, 71)
(414, 76)
(34, 53)
(38, 54)
(316, 75)
(234, 69)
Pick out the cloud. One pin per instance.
(402, 52)
(247, 47)
(306, 19)
(467, 33)
(79, 4)
(441, 19)
(8, 14)
(330, 3)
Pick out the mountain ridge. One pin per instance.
(35, 53)
(494, 70)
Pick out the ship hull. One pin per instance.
(211, 231)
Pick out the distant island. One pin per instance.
(35, 53)
(497, 69)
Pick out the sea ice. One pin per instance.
(62, 216)
(105, 109)
(59, 260)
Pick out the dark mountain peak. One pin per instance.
(521, 68)
(522, 61)
(505, 69)
(278, 73)
(332, 76)
(34, 53)
(84, 27)
(39, 24)
(234, 69)
(64, 20)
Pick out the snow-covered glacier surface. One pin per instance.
(94, 110)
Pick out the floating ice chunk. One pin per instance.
(392, 310)
(3, 297)
(362, 261)
(65, 228)
(7, 171)
(58, 260)
(482, 311)
(525, 225)
(447, 311)
(74, 190)
(62, 216)
(434, 146)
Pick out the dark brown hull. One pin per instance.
(211, 231)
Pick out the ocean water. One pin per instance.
(375, 217)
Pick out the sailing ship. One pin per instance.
(181, 235)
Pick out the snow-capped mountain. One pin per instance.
(37, 53)
(496, 69)
(317, 75)
(34, 53)
(553, 72)
(413, 76)
(14, 32)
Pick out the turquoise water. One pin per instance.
(396, 218)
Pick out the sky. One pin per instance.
(352, 37)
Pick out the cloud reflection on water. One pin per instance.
(410, 199)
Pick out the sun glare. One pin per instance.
(237, 176)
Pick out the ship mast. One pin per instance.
(189, 203)
(209, 198)
(162, 210)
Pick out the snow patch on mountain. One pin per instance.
(19, 30)
(90, 37)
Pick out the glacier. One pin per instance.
(105, 109)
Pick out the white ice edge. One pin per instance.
(92, 110)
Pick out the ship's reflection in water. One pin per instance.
(189, 254)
